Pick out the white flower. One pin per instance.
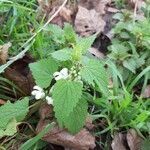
(63, 74)
(49, 100)
(38, 92)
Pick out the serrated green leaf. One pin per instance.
(83, 44)
(76, 119)
(66, 95)
(55, 29)
(69, 33)
(62, 55)
(94, 72)
(10, 129)
(43, 70)
(9, 111)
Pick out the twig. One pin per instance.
(135, 10)
(3, 67)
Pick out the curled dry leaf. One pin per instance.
(81, 141)
(134, 140)
(20, 75)
(117, 143)
(88, 22)
(4, 52)
(146, 93)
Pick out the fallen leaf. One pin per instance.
(117, 143)
(20, 75)
(134, 140)
(4, 52)
(62, 137)
(88, 22)
(139, 3)
(48, 8)
(146, 93)
(98, 5)
(95, 52)
(2, 102)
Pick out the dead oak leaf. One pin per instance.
(62, 137)
(117, 143)
(134, 140)
(88, 22)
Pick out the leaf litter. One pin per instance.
(88, 19)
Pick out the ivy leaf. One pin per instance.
(62, 55)
(66, 95)
(10, 111)
(10, 129)
(76, 119)
(43, 70)
(83, 44)
(94, 72)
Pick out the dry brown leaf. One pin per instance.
(60, 136)
(139, 3)
(20, 75)
(117, 143)
(49, 7)
(88, 22)
(4, 52)
(96, 52)
(98, 5)
(134, 140)
(146, 93)
(2, 102)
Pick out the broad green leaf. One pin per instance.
(69, 33)
(57, 32)
(10, 111)
(10, 129)
(28, 144)
(66, 95)
(94, 72)
(83, 44)
(43, 70)
(76, 119)
(62, 55)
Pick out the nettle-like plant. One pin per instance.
(130, 46)
(62, 79)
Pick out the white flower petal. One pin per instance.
(49, 100)
(59, 77)
(64, 71)
(37, 88)
(39, 95)
(33, 92)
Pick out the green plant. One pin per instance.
(72, 70)
(130, 47)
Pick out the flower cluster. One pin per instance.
(63, 74)
(75, 73)
(39, 93)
